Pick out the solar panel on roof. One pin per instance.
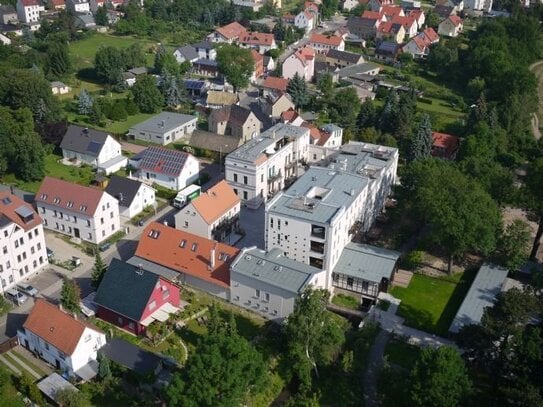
(94, 147)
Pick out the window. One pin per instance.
(88, 337)
(236, 298)
(235, 191)
(21, 272)
(120, 320)
(89, 236)
(56, 226)
(165, 294)
(18, 258)
(107, 205)
(38, 246)
(186, 223)
(36, 232)
(42, 209)
(16, 243)
(261, 177)
(88, 222)
(112, 227)
(111, 215)
(101, 221)
(29, 235)
(55, 214)
(34, 264)
(350, 282)
(10, 279)
(257, 293)
(41, 259)
(235, 177)
(194, 247)
(182, 244)
(245, 195)
(245, 179)
(152, 305)
(267, 297)
(103, 233)
(24, 255)
(5, 250)
(26, 270)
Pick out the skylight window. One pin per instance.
(154, 234)
(70, 204)
(56, 200)
(194, 247)
(183, 244)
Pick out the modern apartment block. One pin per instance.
(85, 213)
(319, 214)
(259, 169)
(22, 242)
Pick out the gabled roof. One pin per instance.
(273, 82)
(455, 20)
(233, 114)
(392, 11)
(215, 97)
(55, 326)
(446, 142)
(372, 15)
(288, 116)
(431, 35)
(361, 22)
(443, 11)
(215, 202)
(30, 3)
(84, 140)
(231, 31)
(188, 52)
(163, 161)
(332, 40)
(407, 22)
(349, 57)
(126, 289)
(390, 27)
(256, 38)
(257, 57)
(387, 47)
(69, 196)
(14, 209)
(203, 45)
(186, 253)
(304, 54)
(124, 189)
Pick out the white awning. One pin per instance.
(161, 314)
(89, 371)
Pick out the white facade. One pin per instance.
(144, 198)
(297, 64)
(109, 153)
(317, 216)
(305, 20)
(190, 220)
(93, 228)
(78, 6)
(188, 175)
(478, 5)
(348, 5)
(258, 169)
(28, 11)
(449, 29)
(23, 252)
(323, 48)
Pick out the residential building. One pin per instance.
(318, 215)
(409, 23)
(234, 120)
(341, 59)
(60, 88)
(274, 84)
(259, 41)
(364, 270)
(456, 5)
(451, 26)
(305, 20)
(195, 88)
(28, 11)
(172, 169)
(8, 15)
(348, 5)
(410, 5)
(216, 99)
(268, 64)
(78, 6)
(82, 212)
(164, 128)
(419, 16)
(259, 65)
(488, 283)
(419, 46)
(388, 51)
(205, 50)
(480, 6)
(377, 5)
(186, 259)
(21, 241)
(268, 283)
(85, 21)
(186, 54)
(391, 32)
(445, 145)
(363, 28)
(133, 196)
(259, 168)
(302, 62)
(323, 43)
(92, 147)
(64, 341)
(444, 11)
(229, 33)
(150, 297)
(205, 67)
(274, 104)
(213, 215)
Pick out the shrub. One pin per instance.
(425, 100)
(413, 259)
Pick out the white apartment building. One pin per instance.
(85, 213)
(22, 241)
(62, 340)
(28, 11)
(78, 6)
(258, 169)
(319, 214)
(478, 6)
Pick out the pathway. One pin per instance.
(375, 361)
(9, 365)
(537, 69)
(24, 365)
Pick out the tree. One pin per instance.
(513, 245)
(460, 215)
(133, 56)
(534, 184)
(101, 17)
(104, 367)
(439, 378)
(146, 94)
(109, 64)
(225, 369)
(68, 397)
(432, 19)
(297, 89)
(70, 295)
(58, 59)
(98, 271)
(172, 92)
(344, 108)
(326, 86)
(236, 64)
(367, 117)
(388, 121)
(421, 142)
(84, 102)
(314, 337)
(165, 62)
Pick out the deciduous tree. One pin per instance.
(146, 94)
(236, 64)
(109, 64)
(514, 244)
(534, 183)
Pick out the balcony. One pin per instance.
(318, 231)
(290, 165)
(317, 247)
(274, 177)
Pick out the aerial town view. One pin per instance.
(281, 203)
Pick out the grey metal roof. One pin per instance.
(83, 140)
(168, 274)
(53, 383)
(188, 52)
(202, 45)
(163, 161)
(348, 57)
(138, 70)
(124, 189)
(482, 293)
(251, 150)
(162, 123)
(273, 268)
(360, 69)
(57, 84)
(367, 262)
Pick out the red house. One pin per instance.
(132, 297)
(445, 145)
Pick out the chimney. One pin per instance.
(120, 196)
(212, 257)
(165, 223)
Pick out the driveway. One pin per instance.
(252, 221)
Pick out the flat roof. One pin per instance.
(162, 122)
(273, 268)
(53, 383)
(367, 262)
(487, 284)
(251, 150)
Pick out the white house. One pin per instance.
(327, 205)
(323, 43)
(171, 169)
(258, 169)
(473, 6)
(21, 241)
(301, 61)
(451, 26)
(261, 42)
(205, 50)
(185, 54)
(213, 215)
(419, 46)
(78, 6)
(133, 196)
(92, 147)
(164, 128)
(305, 20)
(85, 213)
(64, 341)
(228, 33)
(60, 88)
(28, 11)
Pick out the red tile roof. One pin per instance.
(431, 35)
(231, 31)
(326, 39)
(372, 15)
(55, 326)
(407, 22)
(258, 57)
(273, 82)
(314, 132)
(166, 251)
(58, 3)
(455, 20)
(392, 11)
(11, 205)
(289, 115)
(305, 54)
(255, 38)
(218, 200)
(29, 3)
(445, 144)
(70, 196)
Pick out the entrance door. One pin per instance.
(76, 232)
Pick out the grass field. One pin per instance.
(429, 303)
(345, 301)
(8, 392)
(401, 353)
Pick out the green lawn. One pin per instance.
(346, 301)
(430, 304)
(28, 361)
(9, 396)
(401, 353)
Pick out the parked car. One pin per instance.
(104, 247)
(16, 296)
(27, 289)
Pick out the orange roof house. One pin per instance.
(445, 145)
(259, 64)
(275, 83)
(228, 33)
